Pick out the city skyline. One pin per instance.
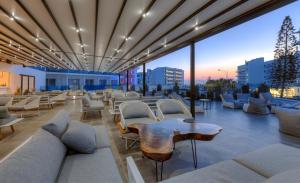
(229, 49)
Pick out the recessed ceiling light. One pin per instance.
(117, 50)
(197, 27)
(77, 30)
(37, 39)
(127, 38)
(12, 18)
(145, 14)
(81, 45)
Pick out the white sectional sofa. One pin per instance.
(277, 163)
(44, 159)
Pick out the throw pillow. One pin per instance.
(80, 137)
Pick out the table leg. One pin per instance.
(0, 134)
(194, 151)
(12, 128)
(161, 170)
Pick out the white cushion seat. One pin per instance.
(93, 168)
(226, 172)
(271, 160)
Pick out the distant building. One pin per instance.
(252, 73)
(257, 71)
(165, 76)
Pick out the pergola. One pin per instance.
(114, 36)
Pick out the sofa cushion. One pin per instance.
(271, 160)
(93, 168)
(80, 137)
(170, 106)
(134, 109)
(223, 172)
(39, 160)
(102, 139)
(289, 176)
(85, 101)
(58, 124)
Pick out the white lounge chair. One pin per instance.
(132, 94)
(289, 121)
(257, 106)
(27, 105)
(243, 97)
(6, 101)
(91, 106)
(229, 102)
(270, 100)
(198, 109)
(172, 108)
(59, 99)
(134, 112)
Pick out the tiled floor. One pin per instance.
(241, 133)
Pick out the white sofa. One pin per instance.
(277, 163)
(289, 120)
(44, 159)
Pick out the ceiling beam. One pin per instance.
(44, 2)
(28, 55)
(95, 32)
(23, 46)
(15, 57)
(30, 33)
(45, 31)
(239, 3)
(77, 27)
(114, 29)
(29, 42)
(251, 14)
(147, 9)
(152, 29)
(205, 6)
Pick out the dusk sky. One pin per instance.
(227, 50)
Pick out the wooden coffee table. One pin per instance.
(157, 140)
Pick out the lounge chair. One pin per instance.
(243, 97)
(257, 106)
(91, 106)
(132, 94)
(270, 100)
(27, 105)
(94, 96)
(229, 102)
(198, 109)
(172, 108)
(5, 101)
(289, 121)
(132, 112)
(7, 120)
(59, 99)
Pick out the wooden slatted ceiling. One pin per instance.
(105, 35)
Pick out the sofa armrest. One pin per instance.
(134, 175)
